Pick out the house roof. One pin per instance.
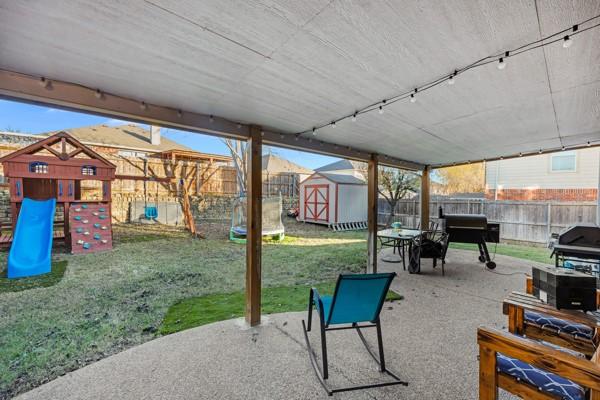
(341, 178)
(301, 65)
(46, 143)
(342, 165)
(273, 164)
(128, 136)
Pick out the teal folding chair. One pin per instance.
(356, 304)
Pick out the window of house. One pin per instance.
(38, 167)
(565, 161)
(88, 170)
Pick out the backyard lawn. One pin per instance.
(111, 301)
(107, 302)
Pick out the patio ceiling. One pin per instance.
(291, 65)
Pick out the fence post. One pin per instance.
(549, 220)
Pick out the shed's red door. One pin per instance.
(316, 202)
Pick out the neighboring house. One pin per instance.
(129, 140)
(570, 175)
(272, 164)
(345, 167)
(281, 176)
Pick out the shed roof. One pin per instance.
(289, 66)
(342, 165)
(339, 178)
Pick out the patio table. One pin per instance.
(399, 238)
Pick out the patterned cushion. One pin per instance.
(559, 325)
(543, 380)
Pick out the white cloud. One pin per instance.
(117, 122)
(55, 110)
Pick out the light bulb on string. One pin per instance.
(381, 106)
(451, 79)
(354, 117)
(314, 131)
(333, 124)
(501, 62)
(412, 98)
(567, 41)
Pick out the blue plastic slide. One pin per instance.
(31, 250)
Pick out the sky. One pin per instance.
(27, 118)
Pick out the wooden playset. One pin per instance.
(55, 168)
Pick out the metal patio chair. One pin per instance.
(355, 304)
(428, 245)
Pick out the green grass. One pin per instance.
(537, 254)
(202, 310)
(110, 301)
(16, 285)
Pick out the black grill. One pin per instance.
(469, 228)
(576, 243)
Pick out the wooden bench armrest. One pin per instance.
(530, 303)
(579, 370)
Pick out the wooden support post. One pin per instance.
(373, 196)
(254, 226)
(425, 199)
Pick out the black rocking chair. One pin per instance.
(355, 304)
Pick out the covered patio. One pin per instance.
(429, 338)
(405, 84)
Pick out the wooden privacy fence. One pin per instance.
(284, 183)
(529, 221)
(200, 177)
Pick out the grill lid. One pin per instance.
(466, 221)
(584, 235)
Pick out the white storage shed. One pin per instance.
(334, 200)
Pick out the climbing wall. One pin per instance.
(90, 227)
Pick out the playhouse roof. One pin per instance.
(47, 143)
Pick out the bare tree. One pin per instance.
(239, 154)
(396, 184)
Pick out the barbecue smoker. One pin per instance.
(579, 242)
(468, 228)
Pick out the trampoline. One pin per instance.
(271, 219)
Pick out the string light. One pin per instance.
(98, 94)
(540, 152)
(520, 154)
(381, 107)
(500, 58)
(501, 62)
(563, 148)
(143, 106)
(588, 144)
(179, 113)
(211, 119)
(451, 78)
(567, 41)
(333, 124)
(314, 131)
(44, 82)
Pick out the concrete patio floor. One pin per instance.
(429, 337)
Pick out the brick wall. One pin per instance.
(543, 194)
